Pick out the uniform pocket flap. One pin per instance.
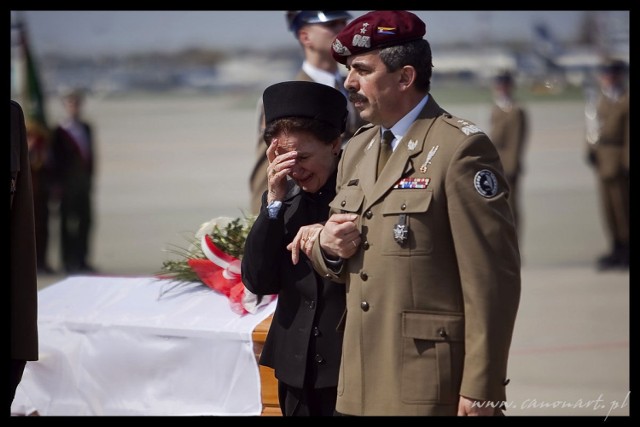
(433, 326)
(348, 199)
(406, 201)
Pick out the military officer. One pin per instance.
(426, 244)
(509, 127)
(608, 154)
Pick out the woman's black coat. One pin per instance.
(303, 338)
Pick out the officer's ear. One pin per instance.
(303, 36)
(407, 76)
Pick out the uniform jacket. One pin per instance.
(508, 134)
(303, 336)
(432, 318)
(611, 149)
(22, 253)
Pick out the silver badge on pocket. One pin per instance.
(401, 230)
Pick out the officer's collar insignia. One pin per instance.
(373, 140)
(486, 183)
(470, 129)
(412, 144)
(427, 162)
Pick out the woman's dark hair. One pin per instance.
(317, 128)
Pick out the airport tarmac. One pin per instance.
(168, 164)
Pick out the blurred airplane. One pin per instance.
(544, 64)
(551, 65)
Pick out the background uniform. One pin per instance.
(608, 153)
(509, 129)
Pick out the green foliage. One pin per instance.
(229, 239)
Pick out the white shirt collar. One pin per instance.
(320, 76)
(402, 126)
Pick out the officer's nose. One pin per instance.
(350, 83)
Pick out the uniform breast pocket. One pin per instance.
(432, 357)
(348, 200)
(405, 229)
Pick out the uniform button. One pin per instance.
(368, 214)
(365, 245)
(312, 305)
(319, 358)
(342, 203)
(442, 332)
(316, 331)
(364, 276)
(404, 206)
(364, 306)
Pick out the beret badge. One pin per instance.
(340, 49)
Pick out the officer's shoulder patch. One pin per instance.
(485, 183)
(465, 126)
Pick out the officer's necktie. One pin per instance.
(385, 150)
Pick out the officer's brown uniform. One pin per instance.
(610, 155)
(509, 127)
(430, 318)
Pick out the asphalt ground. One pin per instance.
(169, 163)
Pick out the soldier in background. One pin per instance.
(73, 157)
(315, 31)
(608, 154)
(509, 131)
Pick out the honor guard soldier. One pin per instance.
(608, 155)
(509, 132)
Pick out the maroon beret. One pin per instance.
(376, 30)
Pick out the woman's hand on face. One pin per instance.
(279, 167)
(306, 236)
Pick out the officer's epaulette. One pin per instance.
(465, 126)
(362, 129)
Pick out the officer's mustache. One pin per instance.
(355, 97)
